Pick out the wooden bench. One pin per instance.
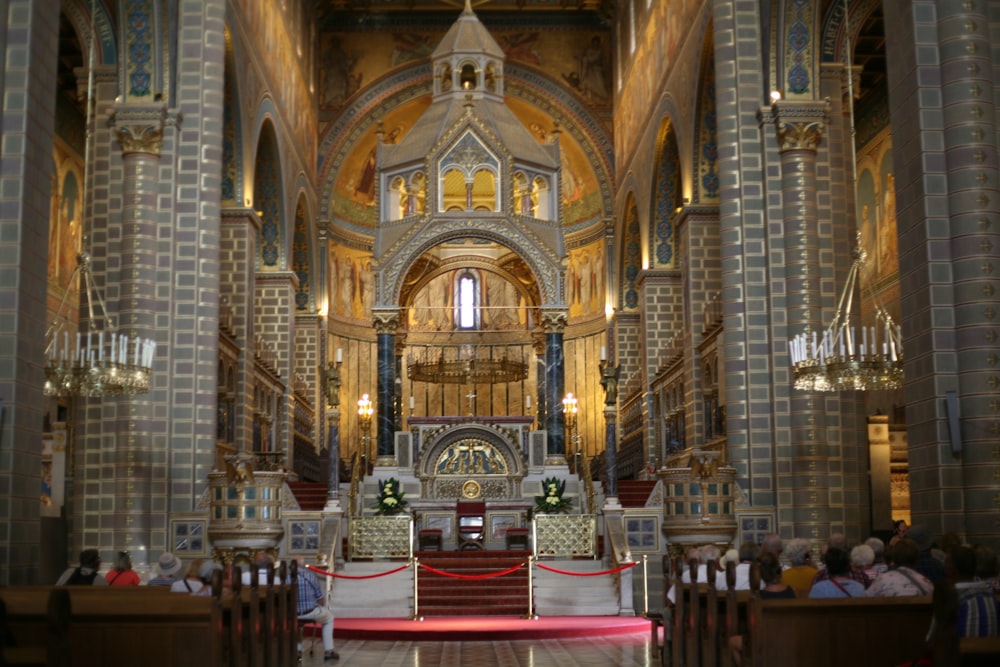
(97, 626)
(836, 632)
(34, 627)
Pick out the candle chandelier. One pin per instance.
(849, 357)
(100, 361)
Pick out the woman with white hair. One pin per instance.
(862, 558)
(801, 571)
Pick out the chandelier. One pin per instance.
(843, 360)
(461, 367)
(100, 361)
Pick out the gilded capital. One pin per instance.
(799, 135)
(385, 320)
(140, 129)
(554, 321)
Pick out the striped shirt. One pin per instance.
(978, 611)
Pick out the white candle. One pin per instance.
(604, 353)
(100, 347)
(527, 400)
(340, 355)
(412, 403)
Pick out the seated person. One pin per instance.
(839, 541)
(978, 611)
(87, 574)
(838, 583)
(902, 579)
(771, 577)
(862, 558)
(773, 589)
(879, 565)
(801, 573)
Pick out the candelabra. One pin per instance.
(101, 361)
(570, 409)
(365, 412)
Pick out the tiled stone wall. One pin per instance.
(274, 310)
(27, 69)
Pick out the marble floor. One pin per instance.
(618, 651)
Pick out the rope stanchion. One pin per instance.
(327, 573)
(586, 574)
(489, 575)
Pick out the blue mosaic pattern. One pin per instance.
(633, 256)
(140, 47)
(230, 134)
(300, 257)
(267, 196)
(668, 197)
(799, 41)
(707, 187)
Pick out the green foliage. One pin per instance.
(390, 497)
(552, 502)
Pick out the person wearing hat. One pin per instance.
(87, 573)
(167, 568)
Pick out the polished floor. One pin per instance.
(618, 651)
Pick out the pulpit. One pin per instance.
(470, 519)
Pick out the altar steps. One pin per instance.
(311, 496)
(634, 492)
(441, 595)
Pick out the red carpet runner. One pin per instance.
(487, 628)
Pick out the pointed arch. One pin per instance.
(232, 144)
(631, 263)
(667, 194)
(301, 256)
(706, 157)
(267, 195)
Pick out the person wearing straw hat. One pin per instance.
(167, 568)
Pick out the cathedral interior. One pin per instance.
(473, 244)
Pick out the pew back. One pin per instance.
(837, 632)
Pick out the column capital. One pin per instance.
(139, 128)
(554, 320)
(800, 125)
(385, 320)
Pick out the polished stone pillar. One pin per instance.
(386, 323)
(333, 468)
(554, 322)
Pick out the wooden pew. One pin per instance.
(108, 628)
(836, 632)
(34, 627)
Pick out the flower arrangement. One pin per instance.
(390, 497)
(552, 502)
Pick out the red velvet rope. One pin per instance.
(586, 574)
(327, 573)
(473, 576)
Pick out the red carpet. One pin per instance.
(478, 628)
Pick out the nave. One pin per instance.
(621, 651)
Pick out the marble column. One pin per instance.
(386, 323)
(554, 322)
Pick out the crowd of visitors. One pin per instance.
(912, 564)
(313, 607)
